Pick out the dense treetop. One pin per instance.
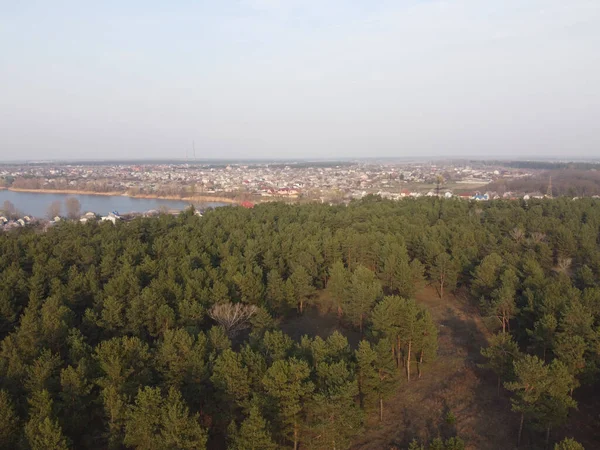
(163, 333)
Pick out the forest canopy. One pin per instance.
(164, 333)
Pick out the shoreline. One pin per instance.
(195, 198)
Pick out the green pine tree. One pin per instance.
(287, 383)
(337, 285)
(376, 374)
(501, 354)
(333, 416)
(8, 422)
(443, 274)
(158, 423)
(363, 292)
(568, 444)
(415, 445)
(253, 433)
(42, 431)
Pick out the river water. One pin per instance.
(36, 204)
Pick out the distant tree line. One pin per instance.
(548, 165)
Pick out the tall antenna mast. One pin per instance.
(438, 184)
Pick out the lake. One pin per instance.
(36, 203)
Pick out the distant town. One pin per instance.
(325, 182)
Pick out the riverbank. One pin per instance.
(192, 199)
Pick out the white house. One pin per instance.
(87, 216)
(112, 217)
(109, 218)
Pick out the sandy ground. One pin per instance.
(452, 383)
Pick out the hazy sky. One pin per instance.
(299, 78)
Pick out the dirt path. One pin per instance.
(453, 385)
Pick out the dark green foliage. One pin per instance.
(453, 443)
(333, 417)
(443, 273)
(377, 377)
(544, 333)
(288, 385)
(231, 380)
(568, 444)
(541, 392)
(158, 423)
(45, 435)
(436, 444)
(104, 328)
(42, 430)
(414, 445)
(501, 354)
(399, 275)
(363, 290)
(253, 433)
(74, 399)
(338, 284)
(409, 331)
(300, 286)
(8, 422)
(181, 362)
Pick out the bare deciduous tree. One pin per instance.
(517, 234)
(9, 209)
(233, 317)
(537, 237)
(54, 209)
(563, 264)
(73, 207)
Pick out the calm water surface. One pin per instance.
(36, 204)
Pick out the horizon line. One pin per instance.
(343, 159)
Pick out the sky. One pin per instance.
(82, 79)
